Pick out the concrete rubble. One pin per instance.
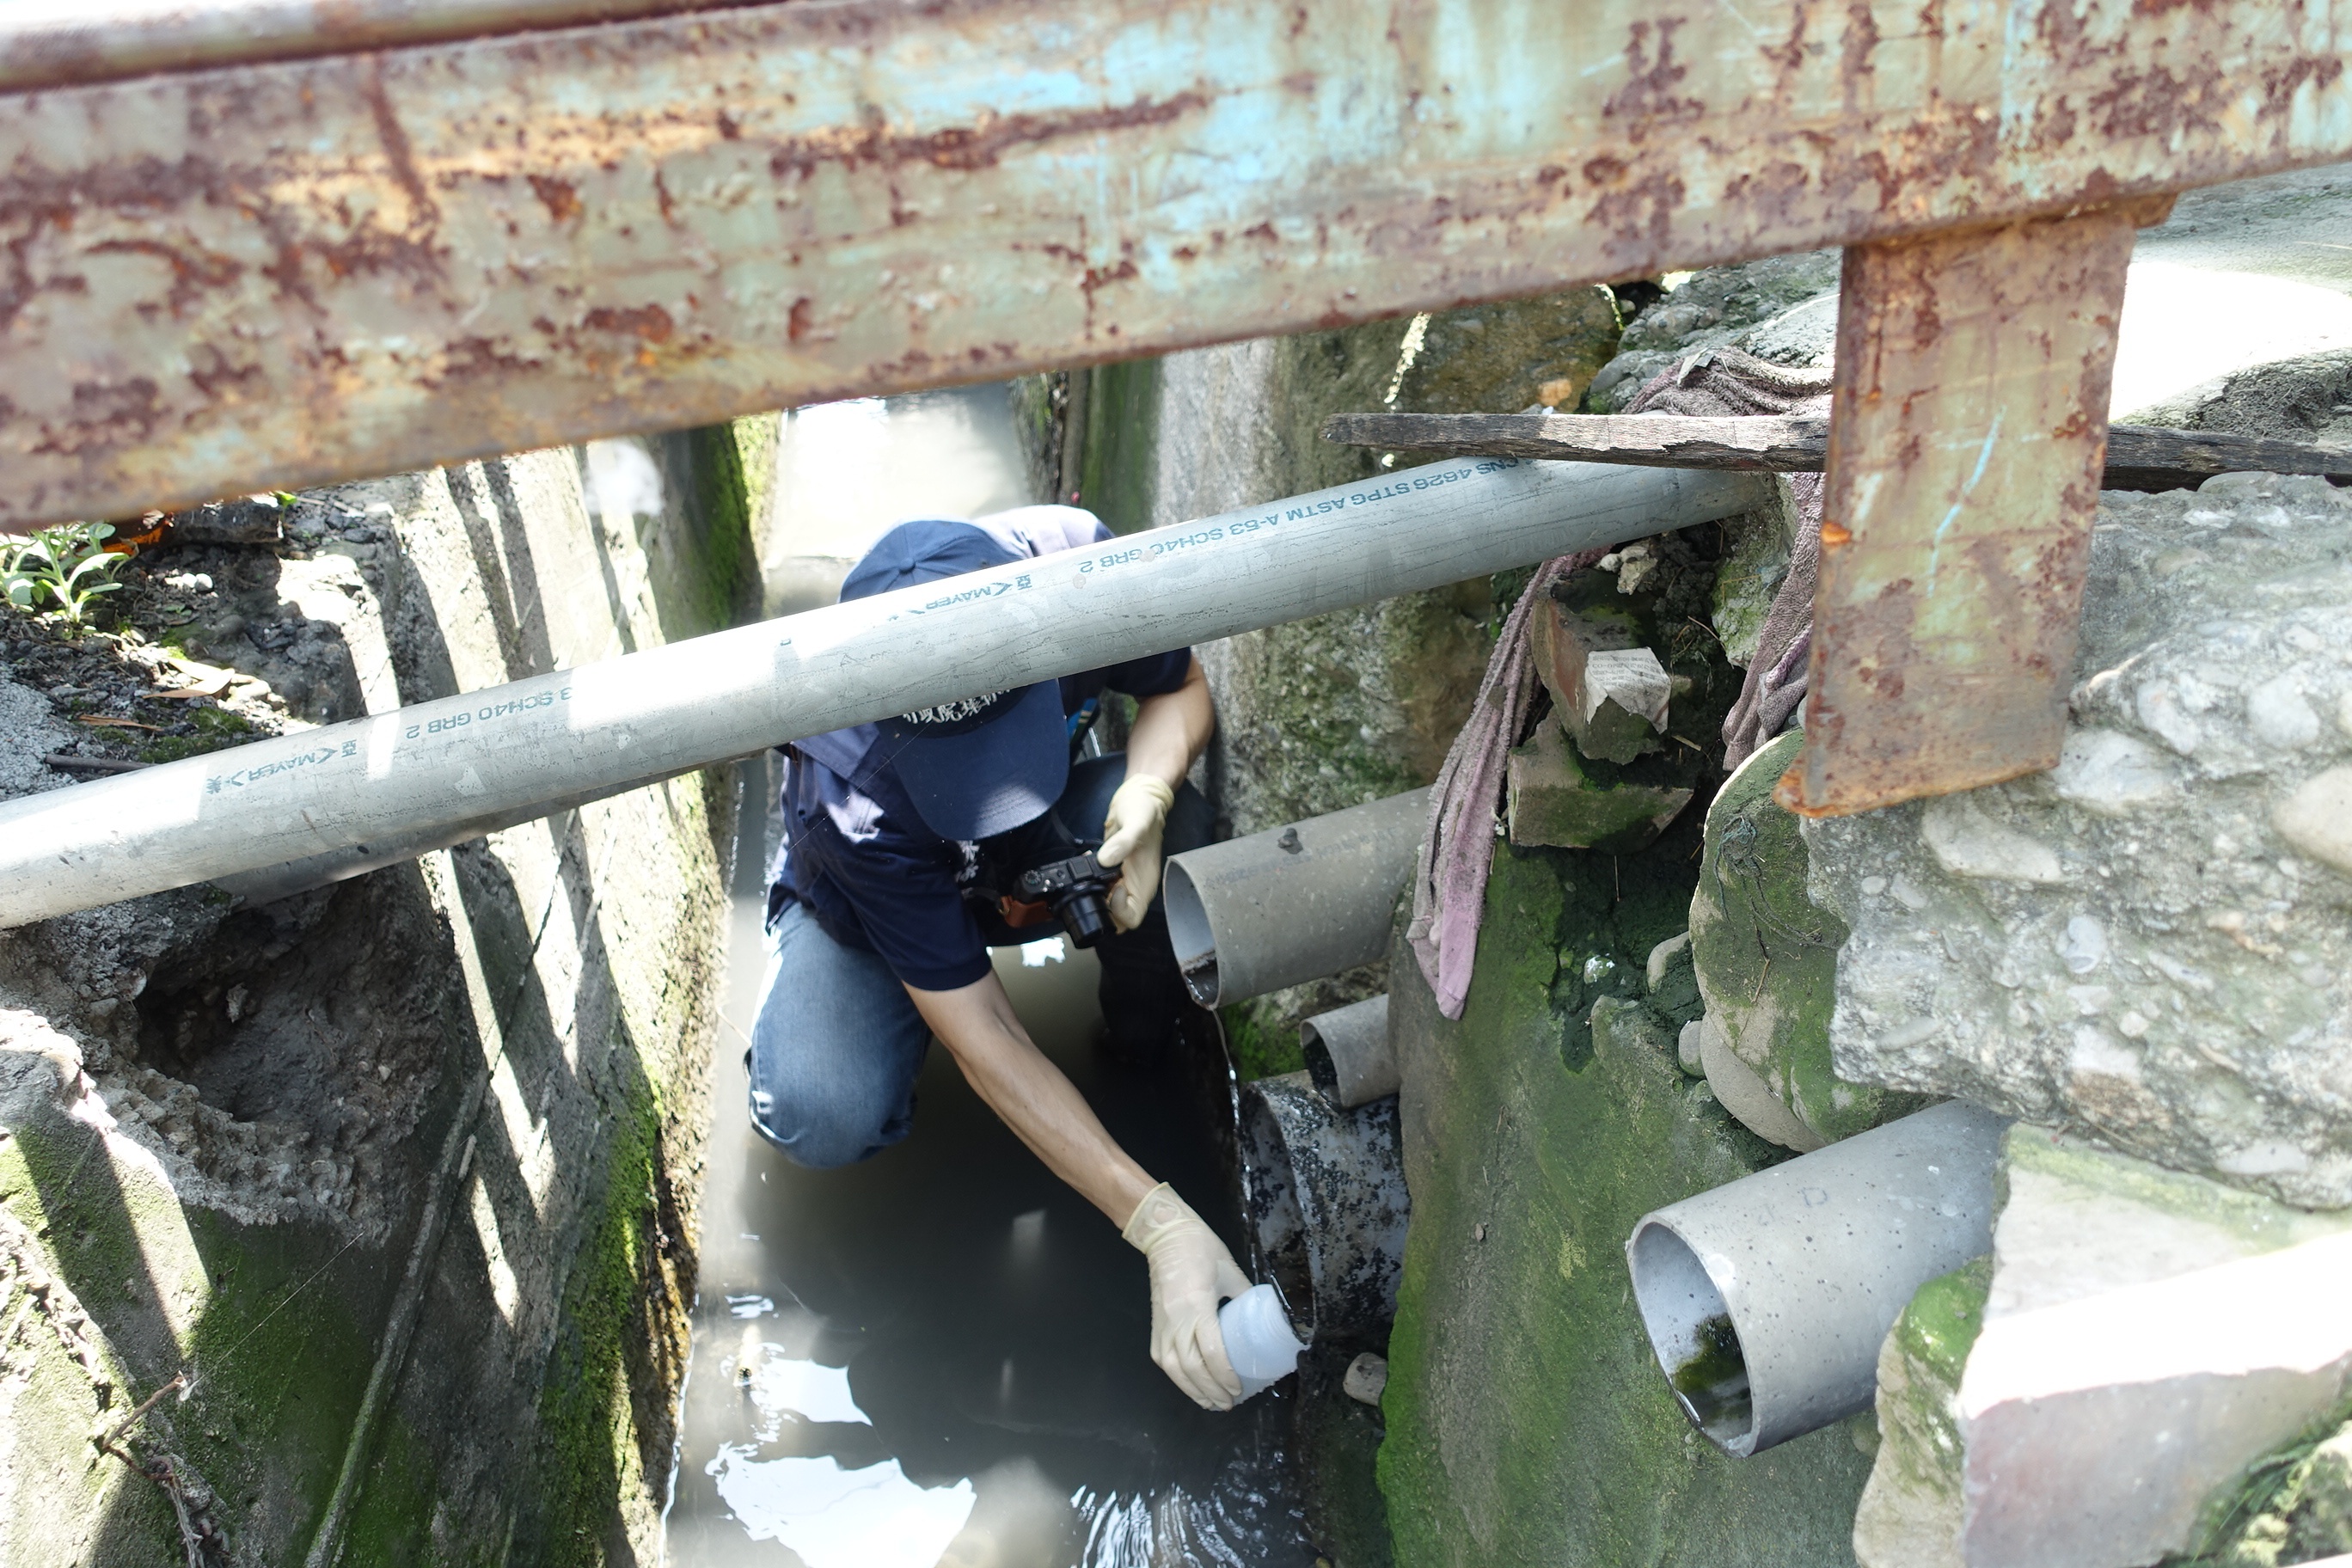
(2150, 1366)
(2147, 943)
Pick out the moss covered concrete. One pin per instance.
(1909, 1516)
(1118, 457)
(574, 966)
(1767, 957)
(1527, 1421)
(2294, 1505)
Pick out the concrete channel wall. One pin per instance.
(400, 1174)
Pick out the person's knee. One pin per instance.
(826, 1129)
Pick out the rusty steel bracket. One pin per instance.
(1968, 437)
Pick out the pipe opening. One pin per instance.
(1691, 1330)
(1347, 1056)
(1321, 1070)
(1189, 934)
(1276, 1221)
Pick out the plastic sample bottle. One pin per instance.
(1259, 1340)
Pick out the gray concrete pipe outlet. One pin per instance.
(383, 784)
(1348, 1055)
(1327, 1204)
(1767, 1301)
(1256, 915)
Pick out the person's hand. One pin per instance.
(1190, 1273)
(1131, 830)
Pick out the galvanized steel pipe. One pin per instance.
(1256, 915)
(574, 734)
(1327, 1204)
(1347, 1053)
(1767, 1299)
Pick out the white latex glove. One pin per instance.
(1192, 1272)
(1131, 829)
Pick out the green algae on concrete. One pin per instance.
(1909, 1516)
(2294, 1505)
(1118, 461)
(1527, 1420)
(1500, 359)
(1767, 957)
(261, 1316)
(1754, 567)
(604, 1421)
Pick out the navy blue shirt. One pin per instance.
(857, 855)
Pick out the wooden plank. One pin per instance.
(1968, 432)
(1772, 443)
(227, 280)
(2138, 456)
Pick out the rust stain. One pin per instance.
(796, 321)
(1653, 77)
(650, 322)
(1963, 474)
(559, 197)
(972, 147)
(193, 270)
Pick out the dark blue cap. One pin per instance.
(978, 766)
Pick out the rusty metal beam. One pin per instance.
(286, 274)
(56, 43)
(1968, 436)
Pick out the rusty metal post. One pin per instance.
(1967, 435)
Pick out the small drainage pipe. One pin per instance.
(1253, 915)
(1347, 1053)
(493, 755)
(1326, 1201)
(1767, 1301)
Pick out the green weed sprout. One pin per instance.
(67, 564)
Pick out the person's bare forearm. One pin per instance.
(1033, 1096)
(1172, 729)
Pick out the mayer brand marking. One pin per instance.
(260, 770)
(996, 590)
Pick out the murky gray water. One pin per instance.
(940, 1356)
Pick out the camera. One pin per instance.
(1074, 889)
(1038, 872)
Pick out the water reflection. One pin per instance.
(938, 1356)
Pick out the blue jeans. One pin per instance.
(834, 1049)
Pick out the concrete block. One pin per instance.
(2124, 1398)
(1556, 799)
(1608, 692)
(2095, 1429)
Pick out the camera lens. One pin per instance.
(1085, 918)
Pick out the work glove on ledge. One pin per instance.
(1131, 830)
(1192, 1272)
